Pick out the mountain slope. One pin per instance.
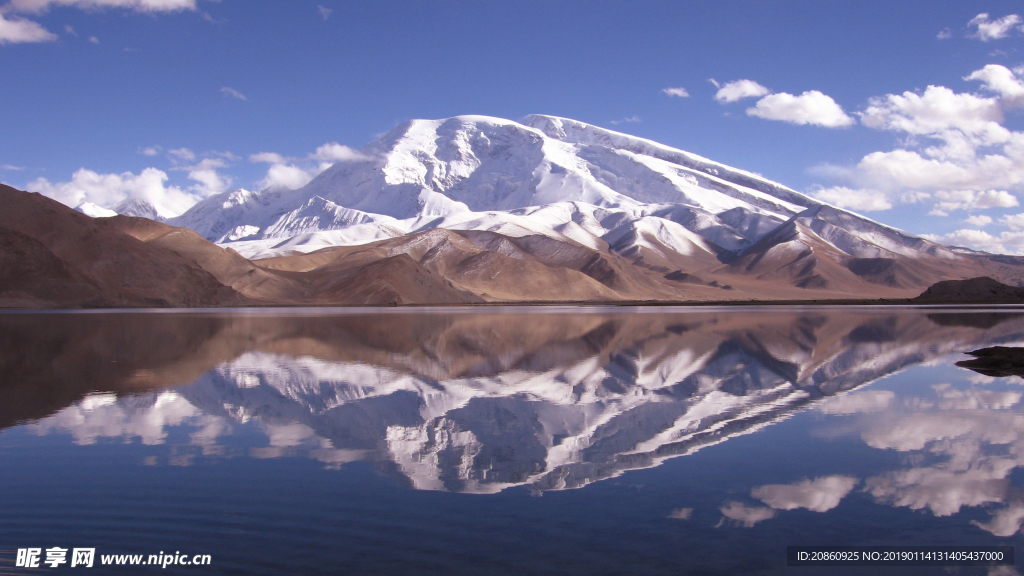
(692, 221)
(65, 258)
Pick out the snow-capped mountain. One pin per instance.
(683, 227)
(94, 210)
(130, 207)
(545, 175)
(144, 209)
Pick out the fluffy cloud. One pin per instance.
(18, 30)
(1005, 522)
(325, 12)
(951, 200)
(1002, 81)
(1005, 243)
(334, 152)
(746, 515)
(811, 107)
(681, 514)
(209, 181)
(112, 189)
(287, 175)
(818, 495)
(1013, 221)
(942, 490)
(955, 149)
(295, 173)
(936, 112)
(677, 92)
(986, 29)
(267, 157)
(101, 416)
(978, 220)
(971, 440)
(865, 200)
(36, 6)
(740, 89)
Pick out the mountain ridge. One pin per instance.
(474, 209)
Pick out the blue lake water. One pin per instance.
(506, 441)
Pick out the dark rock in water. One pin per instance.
(997, 361)
(982, 290)
(680, 276)
(984, 320)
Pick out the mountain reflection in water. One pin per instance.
(554, 399)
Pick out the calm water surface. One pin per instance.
(506, 441)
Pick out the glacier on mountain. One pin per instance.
(544, 175)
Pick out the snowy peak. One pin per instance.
(659, 208)
(143, 209)
(94, 211)
(132, 207)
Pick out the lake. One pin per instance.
(521, 440)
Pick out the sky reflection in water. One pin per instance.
(729, 434)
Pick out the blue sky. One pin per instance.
(103, 99)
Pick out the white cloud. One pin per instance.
(295, 173)
(1013, 221)
(19, 31)
(738, 90)
(811, 107)
(944, 34)
(184, 154)
(150, 150)
(634, 119)
(287, 175)
(94, 40)
(233, 93)
(334, 152)
(936, 112)
(978, 220)
(818, 495)
(1005, 522)
(746, 515)
(987, 29)
(942, 490)
(681, 514)
(955, 147)
(36, 6)
(1004, 243)
(11, 167)
(677, 92)
(209, 181)
(865, 402)
(325, 12)
(267, 157)
(102, 416)
(865, 200)
(952, 200)
(108, 190)
(1003, 81)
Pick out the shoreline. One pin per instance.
(851, 303)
